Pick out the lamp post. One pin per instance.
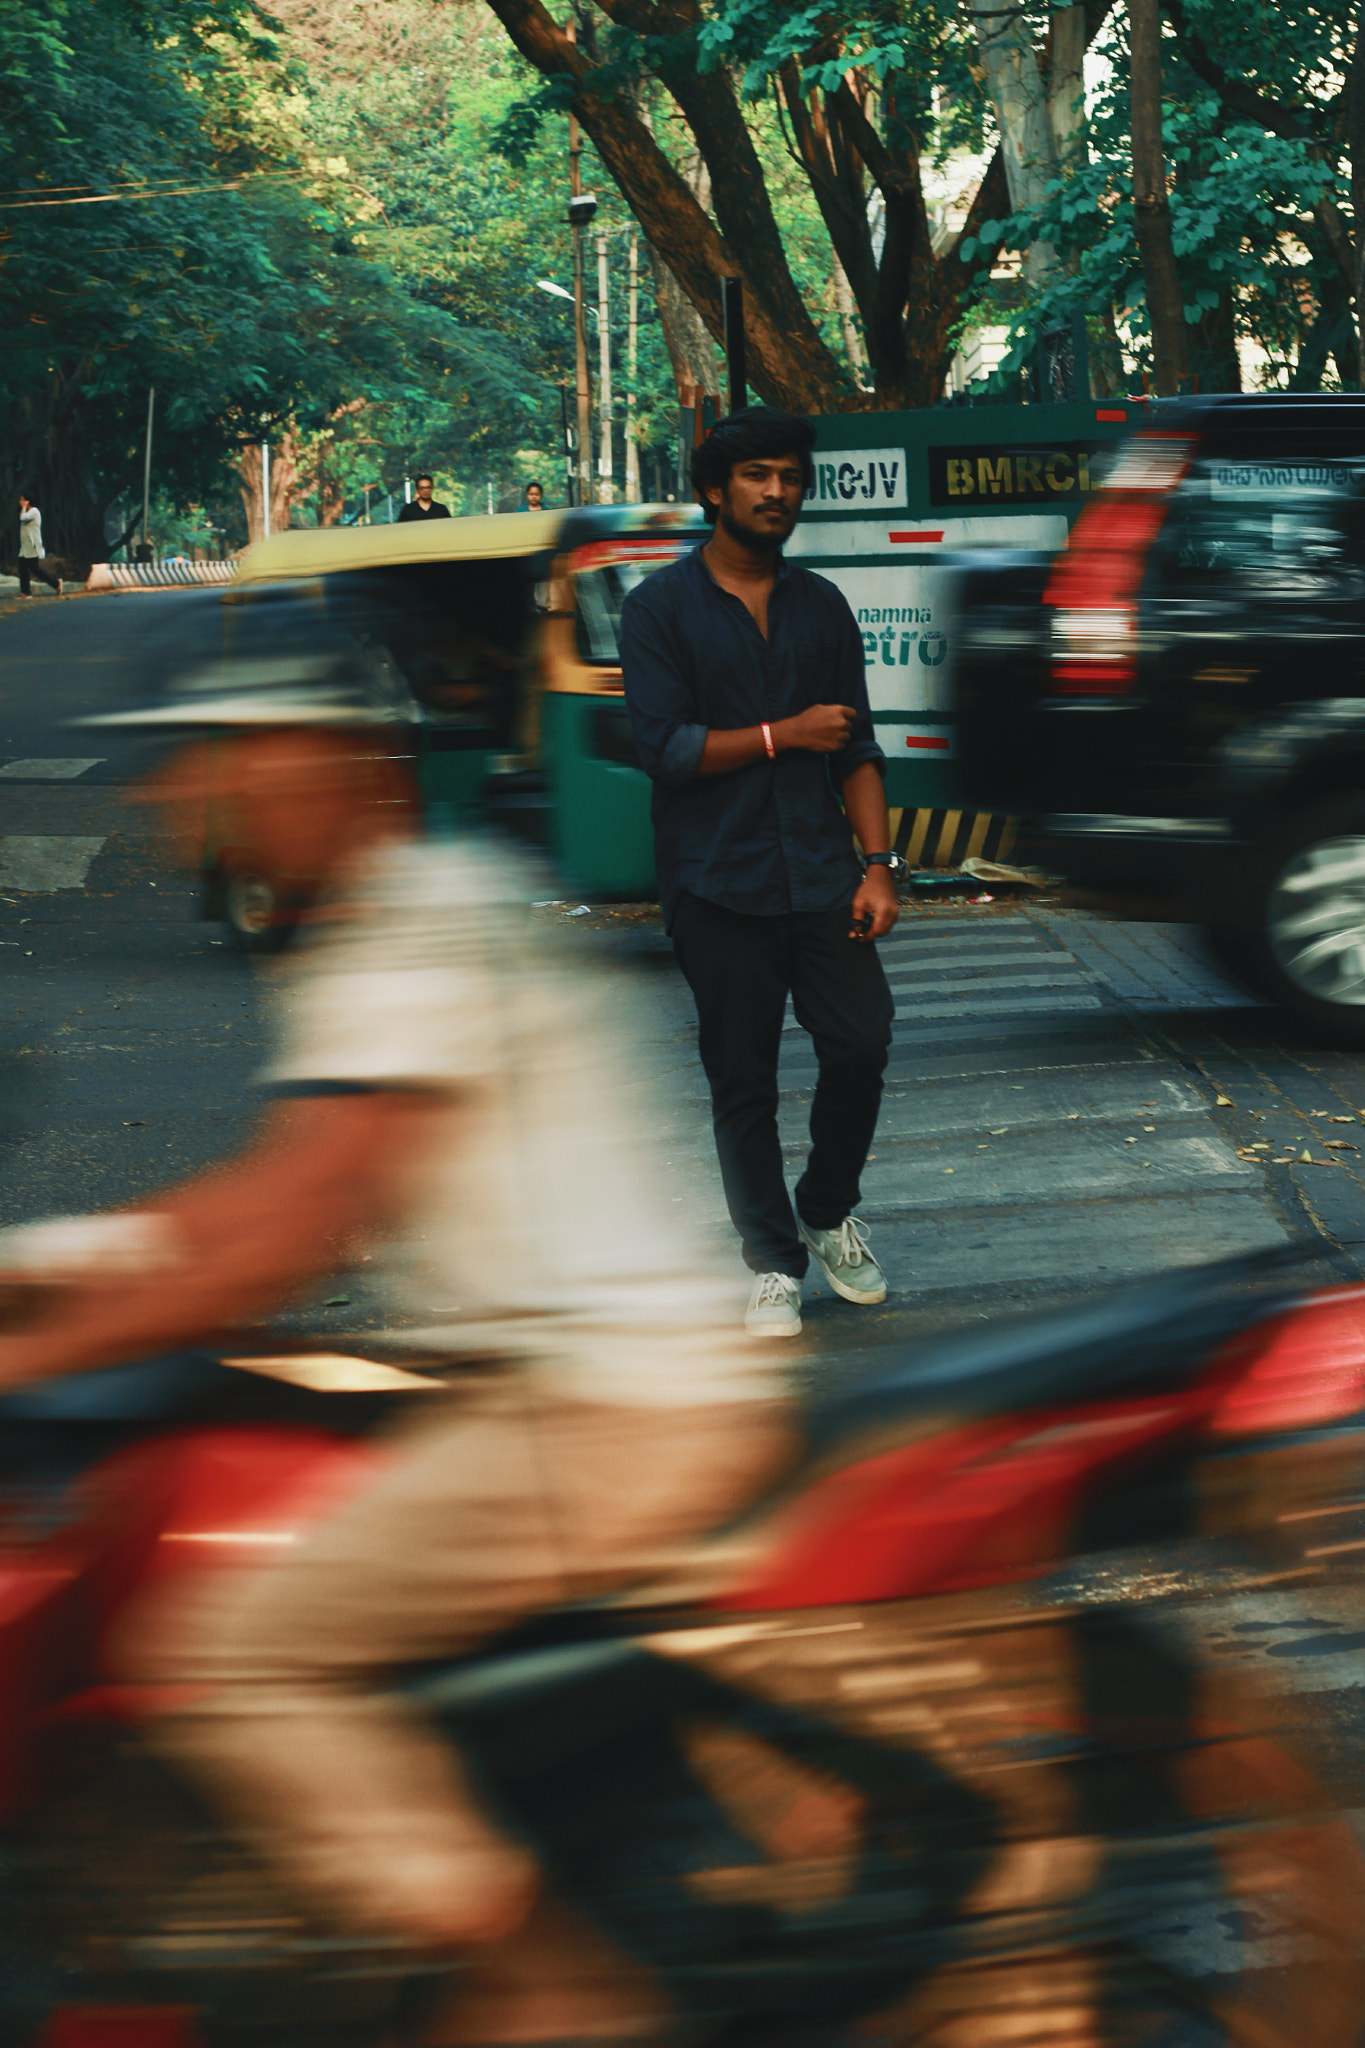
(582, 207)
(574, 488)
(147, 472)
(265, 484)
(606, 488)
(632, 331)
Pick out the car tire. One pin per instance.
(256, 913)
(1302, 942)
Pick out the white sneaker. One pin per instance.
(847, 1263)
(774, 1307)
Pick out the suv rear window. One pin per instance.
(1267, 526)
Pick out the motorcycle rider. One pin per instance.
(450, 1092)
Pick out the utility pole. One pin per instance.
(632, 334)
(606, 488)
(568, 444)
(265, 484)
(147, 467)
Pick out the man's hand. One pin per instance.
(875, 899)
(822, 729)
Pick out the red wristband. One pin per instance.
(767, 733)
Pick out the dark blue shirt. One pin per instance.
(768, 837)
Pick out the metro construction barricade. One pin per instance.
(899, 499)
(156, 575)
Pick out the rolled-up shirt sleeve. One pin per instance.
(851, 688)
(659, 694)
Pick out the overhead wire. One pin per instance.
(150, 190)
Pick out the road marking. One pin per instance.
(43, 865)
(48, 771)
(1065, 977)
(943, 957)
(998, 1006)
(936, 941)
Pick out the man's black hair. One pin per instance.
(758, 430)
(535, 485)
(426, 477)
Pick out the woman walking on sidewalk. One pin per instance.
(31, 549)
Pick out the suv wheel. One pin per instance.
(255, 913)
(1304, 945)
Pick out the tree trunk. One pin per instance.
(1355, 142)
(853, 341)
(1151, 208)
(1066, 86)
(1212, 348)
(690, 348)
(1022, 113)
(286, 486)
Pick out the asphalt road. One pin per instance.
(1071, 1101)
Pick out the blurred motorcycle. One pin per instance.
(939, 1747)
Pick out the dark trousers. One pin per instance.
(29, 565)
(740, 970)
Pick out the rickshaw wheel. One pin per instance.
(255, 913)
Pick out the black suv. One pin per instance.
(1175, 705)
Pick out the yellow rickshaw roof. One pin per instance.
(326, 550)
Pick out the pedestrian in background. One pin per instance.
(31, 549)
(745, 684)
(423, 505)
(535, 497)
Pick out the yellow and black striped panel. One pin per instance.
(943, 839)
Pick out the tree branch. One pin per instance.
(1235, 93)
(739, 191)
(792, 368)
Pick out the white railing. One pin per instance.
(156, 575)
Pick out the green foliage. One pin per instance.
(1248, 200)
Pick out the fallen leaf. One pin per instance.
(1339, 1144)
(1073, 1116)
(337, 1301)
(950, 1169)
(1003, 1132)
(1130, 1141)
(1319, 1112)
(1224, 1102)
(1305, 1158)
(1343, 1119)
(1149, 1127)
(1260, 1145)
(133, 1123)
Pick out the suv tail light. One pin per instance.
(1095, 580)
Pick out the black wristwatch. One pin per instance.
(892, 861)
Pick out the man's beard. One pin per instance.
(757, 540)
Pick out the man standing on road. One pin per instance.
(423, 505)
(744, 678)
(31, 549)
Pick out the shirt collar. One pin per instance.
(699, 561)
